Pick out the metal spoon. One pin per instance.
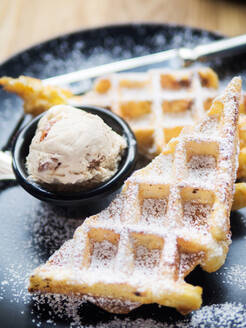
(221, 48)
(6, 172)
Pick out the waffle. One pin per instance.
(156, 104)
(171, 216)
(159, 103)
(37, 97)
(242, 137)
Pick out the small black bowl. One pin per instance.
(99, 194)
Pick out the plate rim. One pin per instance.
(109, 26)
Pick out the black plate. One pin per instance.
(31, 230)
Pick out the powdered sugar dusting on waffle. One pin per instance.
(187, 260)
(196, 214)
(157, 104)
(210, 127)
(160, 171)
(103, 255)
(146, 260)
(153, 210)
(202, 167)
(114, 210)
(196, 230)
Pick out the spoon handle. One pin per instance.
(6, 172)
(113, 67)
(224, 47)
(16, 128)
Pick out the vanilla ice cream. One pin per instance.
(71, 146)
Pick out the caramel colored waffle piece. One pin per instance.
(242, 137)
(171, 216)
(157, 104)
(37, 97)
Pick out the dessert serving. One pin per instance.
(72, 147)
(171, 216)
(39, 228)
(157, 105)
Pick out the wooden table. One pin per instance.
(26, 22)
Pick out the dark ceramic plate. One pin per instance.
(32, 230)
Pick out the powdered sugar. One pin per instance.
(46, 231)
(103, 255)
(196, 214)
(73, 309)
(187, 261)
(220, 315)
(202, 167)
(146, 259)
(113, 305)
(235, 275)
(153, 210)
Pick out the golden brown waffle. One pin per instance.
(171, 216)
(157, 104)
(242, 137)
(37, 97)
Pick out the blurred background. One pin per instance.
(26, 22)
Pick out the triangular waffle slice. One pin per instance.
(157, 104)
(171, 216)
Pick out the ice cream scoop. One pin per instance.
(73, 148)
(94, 198)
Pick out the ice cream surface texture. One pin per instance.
(71, 146)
